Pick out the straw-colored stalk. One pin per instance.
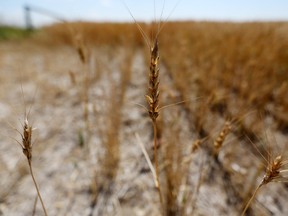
(26, 146)
(153, 102)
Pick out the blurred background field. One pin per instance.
(84, 82)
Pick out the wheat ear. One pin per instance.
(153, 89)
(274, 173)
(27, 151)
(218, 143)
(153, 101)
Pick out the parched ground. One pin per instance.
(96, 166)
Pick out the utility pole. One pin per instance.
(28, 20)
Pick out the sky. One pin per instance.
(11, 11)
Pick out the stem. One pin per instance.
(251, 199)
(36, 186)
(34, 206)
(156, 164)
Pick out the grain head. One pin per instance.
(153, 90)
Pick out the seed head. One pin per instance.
(221, 137)
(196, 144)
(273, 171)
(153, 90)
(26, 140)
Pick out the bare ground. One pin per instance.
(68, 172)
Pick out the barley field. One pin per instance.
(196, 124)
